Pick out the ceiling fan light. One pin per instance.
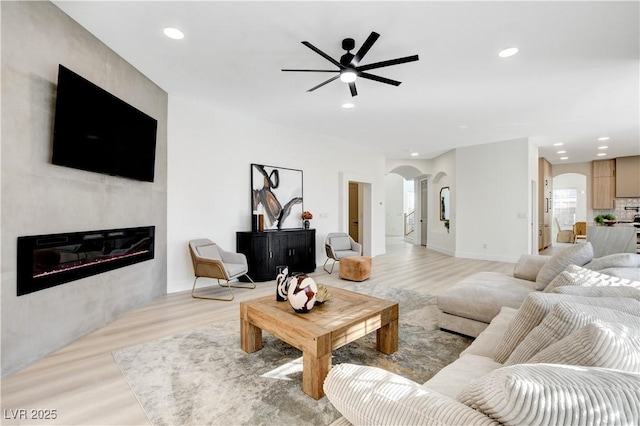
(348, 76)
(508, 52)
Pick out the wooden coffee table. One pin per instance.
(348, 316)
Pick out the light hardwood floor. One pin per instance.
(83, 384)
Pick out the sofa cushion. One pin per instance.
(452, 379)
(545, 394)
(528, 266)
(579, 276)
(340, 243)
(577, 254)
(567, 317)
(373, 396)
(608, 345)
(535, 307)
(481, 295)
(616, 260)
(618, 291)
(485, 343)
(628, 273)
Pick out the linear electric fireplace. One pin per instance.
(48, 260)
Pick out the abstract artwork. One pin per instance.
(276, 192)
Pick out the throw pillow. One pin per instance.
(607, 345)
(577, 254)
(576, 275)
(616, 260)
(632, 274)
(533, 310)
(373, 396)
(528, 266)
(341, 243)
(547, 394)
(618, 291)
(564, 319)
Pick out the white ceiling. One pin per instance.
(576, 77)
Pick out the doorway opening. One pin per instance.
(569, 203)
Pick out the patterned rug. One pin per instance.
(202, 377)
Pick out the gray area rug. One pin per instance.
(202, 377)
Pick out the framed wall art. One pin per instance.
(276, 192)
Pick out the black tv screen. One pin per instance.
(96, 131)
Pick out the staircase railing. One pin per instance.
(409, 223)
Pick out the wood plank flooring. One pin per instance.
(85, 386)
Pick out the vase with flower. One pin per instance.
(306, 216)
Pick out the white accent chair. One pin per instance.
(339, 245)
(211, 261)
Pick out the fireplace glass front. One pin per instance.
(48, 260)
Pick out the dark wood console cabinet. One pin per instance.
(266, 250)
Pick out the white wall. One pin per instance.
(210, 152)
(40, 198)
(493, 201)
(394, 211)
(443, 174)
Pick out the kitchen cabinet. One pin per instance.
(604, 184)
(545, 199)
(628, 176)
(266, 250)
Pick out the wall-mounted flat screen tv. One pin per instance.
(96, 131)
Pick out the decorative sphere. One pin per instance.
(302, 293)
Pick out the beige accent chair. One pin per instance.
(339, 245)
(211, 261)
(564, 235)
(580, 232)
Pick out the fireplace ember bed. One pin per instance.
(49, 260)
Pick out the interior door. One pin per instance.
(423, 211)
(354, 213)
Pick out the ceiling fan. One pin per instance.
(349, 67)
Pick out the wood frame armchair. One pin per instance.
(211, 261)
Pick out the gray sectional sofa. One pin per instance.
(469, 306)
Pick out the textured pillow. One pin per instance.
(564, 319)
(528, 266)
(607, 345)
(577, 254)
(618, 291)
(616, 260)
(536, 306)
(632, 274)
(577, 275)
(373, 396)
(341, 243)
(551, 394)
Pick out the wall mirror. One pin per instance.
(444, 203)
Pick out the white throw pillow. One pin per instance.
(373, 396)
(577, 254)
(607, 345)
(616, 260)
(552, 394)
(528, 266)
(579, 276)
(536, 306)
(564, 319)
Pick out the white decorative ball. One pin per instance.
(302, 293)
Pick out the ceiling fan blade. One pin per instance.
(324, 55)
(380, 79)
(388, 63)
(352, 87)
(312, 70)
(323, 83)
(365, 48)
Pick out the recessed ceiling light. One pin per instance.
(414, 154)
(348, 105)
(462, 126)
(602, 154)
(510, 51)
(564, 158)
(603, 147)
(558, 144)
(174, 33)
(562, 152)
(604, 138)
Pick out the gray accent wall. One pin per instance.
(40, 198)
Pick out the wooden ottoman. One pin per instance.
(355, 268)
